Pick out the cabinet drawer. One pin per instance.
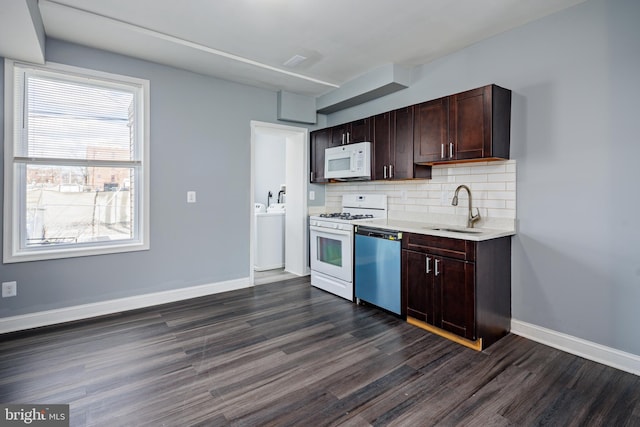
(443, 246)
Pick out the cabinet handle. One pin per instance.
(437, 272)
(342, 139)
(348, 137)
(428, 265)
(451, 150)
(384, 172)
(311, 176)
(442, 151)
(390, 171)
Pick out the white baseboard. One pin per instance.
(86, 311)
(589, 350)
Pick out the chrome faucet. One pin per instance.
(472, 218)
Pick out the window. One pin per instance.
(76, 162)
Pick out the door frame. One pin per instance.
(297, 211)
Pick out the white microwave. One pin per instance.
(351, 161)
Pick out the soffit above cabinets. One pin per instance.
(249, 41)
(21, 31)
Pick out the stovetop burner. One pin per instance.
(346, 216)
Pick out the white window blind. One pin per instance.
(73, 120)
(78, 164)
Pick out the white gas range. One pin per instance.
(331, 242)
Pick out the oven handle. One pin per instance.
(330, 230)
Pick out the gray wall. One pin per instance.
(200, 140)
(575, 81)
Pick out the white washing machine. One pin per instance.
(268, 238)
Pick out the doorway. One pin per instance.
(296, 241)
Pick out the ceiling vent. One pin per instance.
(294, 61)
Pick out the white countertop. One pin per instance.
(430, 229)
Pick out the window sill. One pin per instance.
(58, 253)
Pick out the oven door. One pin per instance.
(332, 252)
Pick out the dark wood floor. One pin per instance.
(289, 354)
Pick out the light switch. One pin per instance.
(191, 196)
(312, 195)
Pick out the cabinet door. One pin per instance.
(470, 124)
(402, 148)
(320, 140)
(360, 131)
(418, 285)
(430, 136)
(339, 134)
(455, 293)
(381, 145)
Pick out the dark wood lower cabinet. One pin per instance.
(458, 286)
(455, 296)
(440, 291)
(419, 286)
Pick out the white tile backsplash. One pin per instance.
(501, 177)
(489, 186)
(493, 187)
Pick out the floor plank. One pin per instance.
(285, 353)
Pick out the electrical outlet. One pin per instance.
(191, 196)
(9, 289)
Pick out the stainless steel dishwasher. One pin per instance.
(377, 267)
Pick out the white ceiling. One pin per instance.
(248, 41)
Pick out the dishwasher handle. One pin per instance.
(378, 233)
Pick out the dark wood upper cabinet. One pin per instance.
(320, 140)
(360, 131)
(350, 133)
(381, 136)
(470, 124)
(431, 130)
(402, 164)
(392, 135)
(339, 134)
(466, 126)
